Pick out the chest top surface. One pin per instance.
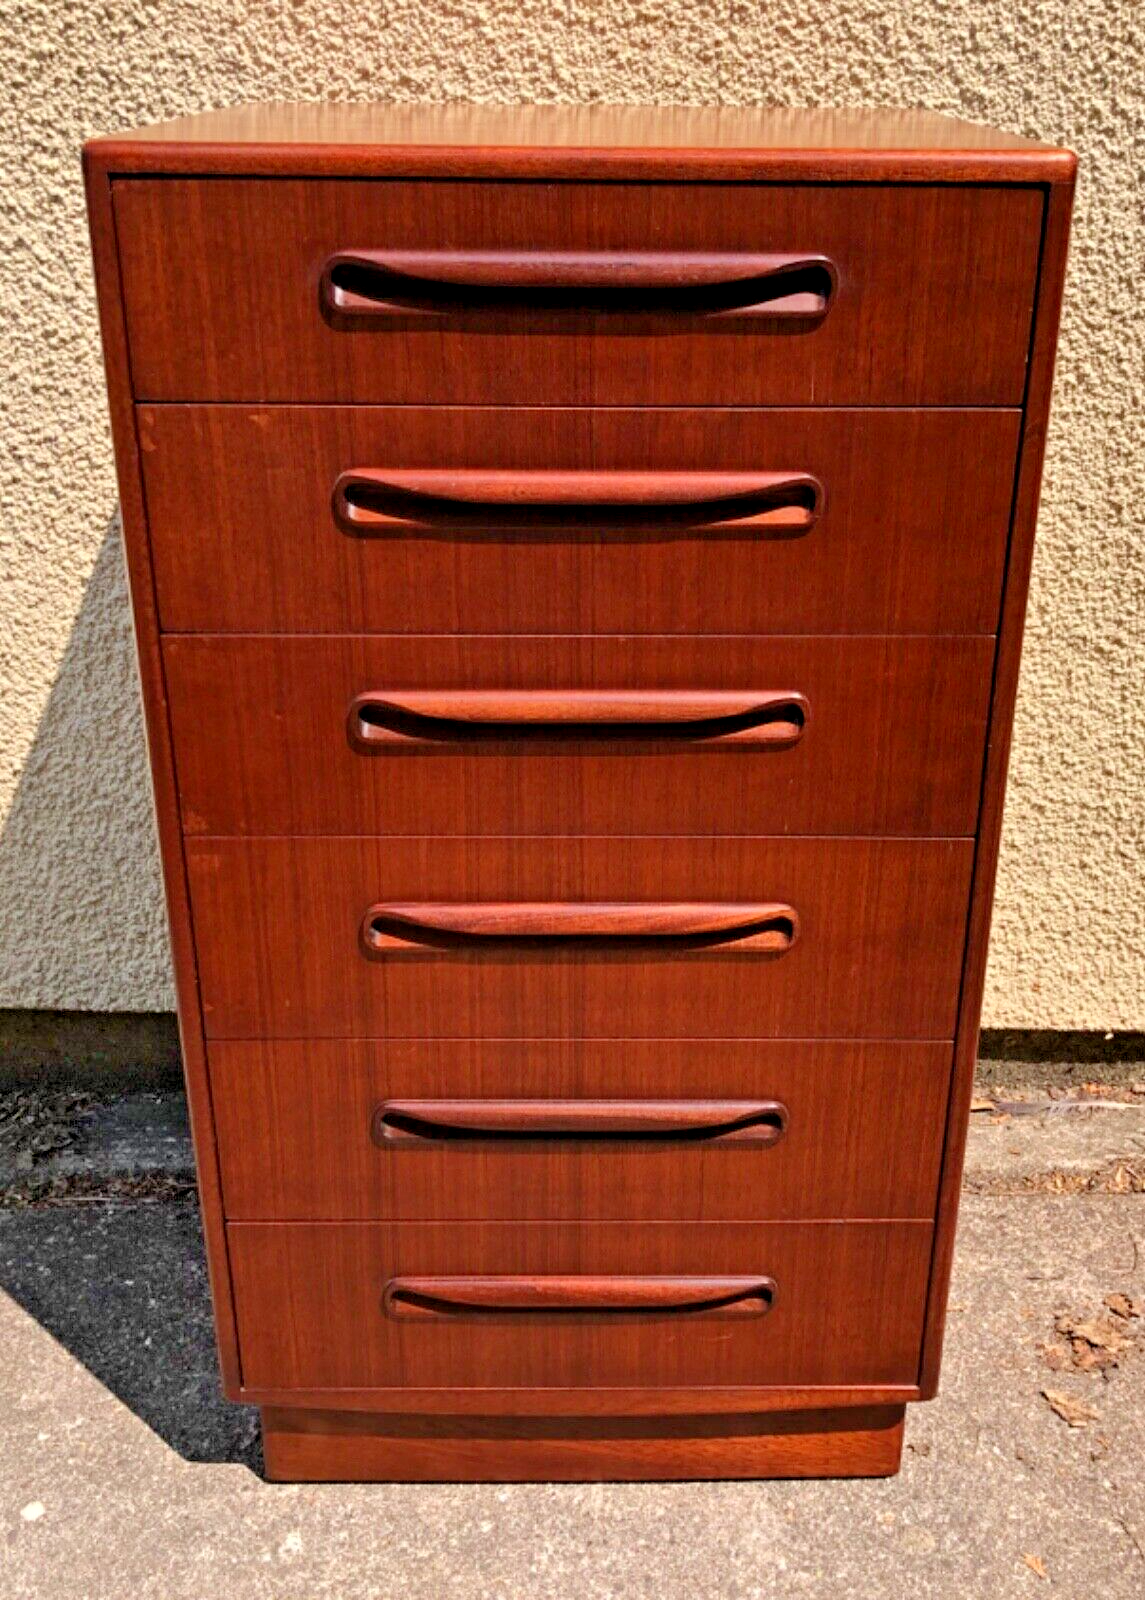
(650, 142)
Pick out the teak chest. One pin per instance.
(579, 561)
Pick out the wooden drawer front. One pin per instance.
(408, 736)
(906, 533)
(312, 1130)
(281, 935)
(931, 302)
(847, 1305)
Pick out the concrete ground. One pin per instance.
(123, 1474)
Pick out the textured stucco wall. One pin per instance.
(79, 892)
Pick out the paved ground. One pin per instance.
(123, 1475)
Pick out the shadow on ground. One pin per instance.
(124, 1288)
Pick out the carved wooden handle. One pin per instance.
(385, 500)
(761, 1122)
(386, 720)
(391, 929)
(359, 287)
(422, 1299)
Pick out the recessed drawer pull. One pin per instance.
(420, 719)
(450, 500)
(359, 287)
(438, 1298)
(762, 1122)
(394, 929)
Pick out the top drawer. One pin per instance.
(686, 294)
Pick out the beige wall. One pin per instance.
(79, 893)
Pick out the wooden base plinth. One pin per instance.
(351, 1446)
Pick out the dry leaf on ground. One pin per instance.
(1069, 1409)
(1097, 1343)
(1036, 1564)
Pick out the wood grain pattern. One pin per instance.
(646, 1122)
(296, 1118)
(911, 538)
(942, 319)
(891, 742)
(332, 1446)
(694, 927)
(141, 584)
(398, 501)
(359, 287)
(353, 139)
(548, 1298)
(448, 545)
(277, 925)
(1051, 287)
(427, 718)
(694, 1400)
(848, 1305)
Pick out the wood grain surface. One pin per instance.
(911, 537)
(891, 742)
(848, 1304)
(943, 318)
(1020, 558)
(277, 927)
(296, 1124)
(392, 928)
(549, 1296)
(548, 1401)
(137, 554)
(352, 139)
(645, 1123)
(539, 585)
(334, 1446)
(397, 501)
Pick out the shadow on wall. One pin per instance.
(77, 849)
(122, 1286)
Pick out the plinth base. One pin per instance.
(360, 1446)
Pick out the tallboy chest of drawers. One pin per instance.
(578, 560)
